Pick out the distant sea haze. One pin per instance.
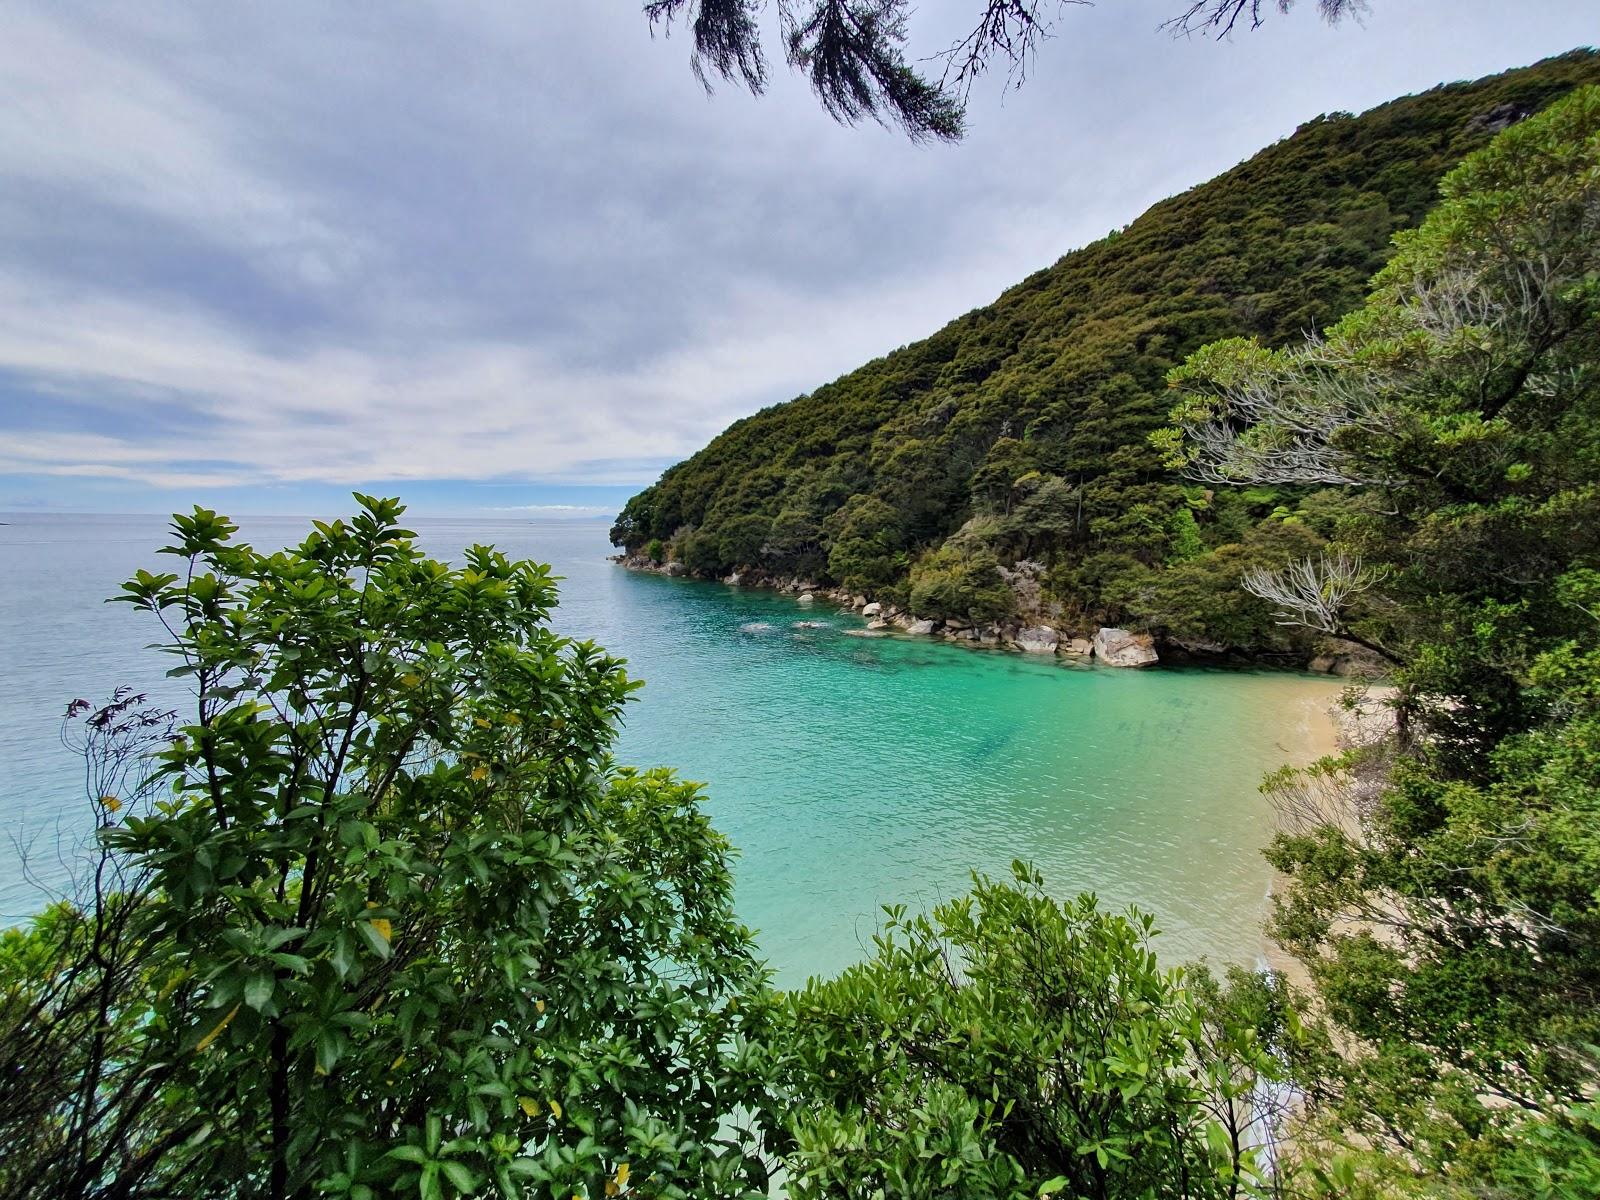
(850, 773)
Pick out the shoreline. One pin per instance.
(1337, 729)
(1105, 645)
(1311, 727)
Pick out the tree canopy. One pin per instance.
(1445, 889)
(1020, 430)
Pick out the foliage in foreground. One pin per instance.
(1453, 934)
(1010, 1046)
(395, 923)
(383, 919)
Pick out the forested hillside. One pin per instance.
(1020, 431)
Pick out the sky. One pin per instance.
(510, 258)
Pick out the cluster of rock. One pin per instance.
(1110, 647)
(1348, 660)
(1032, 634)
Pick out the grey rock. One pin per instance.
(1081, 647)
(806, 598)
(675, 569)
(1119, 648)
(877, 624)
(871, 610)
(923, 626)
(1038, 639)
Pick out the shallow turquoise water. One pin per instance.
(850, 772)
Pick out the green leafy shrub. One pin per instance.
(1010, 1046)
(400, 925)
(961, 582)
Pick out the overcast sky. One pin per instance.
(509, 257)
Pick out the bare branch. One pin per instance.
(1217, 18)
(1314, 592)
(1010, 30)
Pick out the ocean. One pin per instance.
(849, 772)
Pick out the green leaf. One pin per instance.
(258, 990)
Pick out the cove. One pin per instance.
(849, 772)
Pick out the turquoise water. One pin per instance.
(850, 772)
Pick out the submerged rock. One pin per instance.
(806, 598)
(865, 633)
(1038, 639)
(810, 625)
(1119, 648)
(756, 627)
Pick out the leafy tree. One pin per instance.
(1065, 375)
(866, 544)
(963, 582)
(1184, 531)
(400, 926)
(1010, 1046)
(1448, 908)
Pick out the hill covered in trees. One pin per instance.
(1020, 432)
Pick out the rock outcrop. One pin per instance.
(1119, 648)
(1038, 639)
(1348, 660)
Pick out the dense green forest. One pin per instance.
(1021, 430)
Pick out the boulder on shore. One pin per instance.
(1119, 648)
(1081, 647)
(871, 610)
(806, 598)
(675, 569)
(923, 626)
(1347, 659)
(734, 580)
(877, 623)
(1038, 639)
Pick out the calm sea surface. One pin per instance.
(850, 772)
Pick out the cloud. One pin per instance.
(306, 245)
